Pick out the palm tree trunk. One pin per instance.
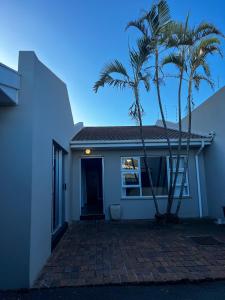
(144, 150)
(180, 132)
(188, 144)
(169, 204)
(179, 114)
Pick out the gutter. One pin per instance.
(133, 143)
(198, 179)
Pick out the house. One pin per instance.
(107, 168)
(53, 172)
(36, 126)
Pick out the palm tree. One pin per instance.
(194, 46)
(164, 34)
(139, 75)
(154, 26)
(205, 42)
(178, 37)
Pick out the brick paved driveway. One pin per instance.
(101, 252)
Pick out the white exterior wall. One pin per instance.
(133, 208)
(208, 117)
(43, 114)
(52, 120)
(15, 192)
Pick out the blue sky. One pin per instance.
(75, 38)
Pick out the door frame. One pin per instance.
(55, 145)
(80, 179)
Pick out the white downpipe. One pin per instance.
(198, 179)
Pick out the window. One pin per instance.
(130, 176)
(130, 163)
(158, 171)
(179, 176)
(135, 181)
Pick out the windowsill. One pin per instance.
(150, 198)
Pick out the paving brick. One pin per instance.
(95, 253)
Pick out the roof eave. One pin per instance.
(135, 143)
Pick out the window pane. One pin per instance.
(181, 163)
(158, 170)
(185, 193)
(177, 191)
(131, 191)
(179, 178)
(129, 163)
(130, 179)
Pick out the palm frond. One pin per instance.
(198, 78)
(175, 59)
(205, 67)
(163, 13)
(119, 83)
(138, 57)
(135, 59)
(108, 80)
(151, 17)
(145, 46)
(204, 43)
(206, 29)
(115, 67)
(139, 24)
(170, 34)
(145, 78)
(177, 34)
(203, 49)
(158, 17)
(134, 111)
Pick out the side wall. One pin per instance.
(133, 208)
(27, 131)
(208, 117)
(52, 120)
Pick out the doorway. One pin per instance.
(58, 193)
(91, 188)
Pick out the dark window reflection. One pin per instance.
(158, 170)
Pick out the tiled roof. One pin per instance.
(112, 133)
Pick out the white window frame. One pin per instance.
(180, 170)
(125, 171)
(139, 174)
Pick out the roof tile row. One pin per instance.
(112, 133)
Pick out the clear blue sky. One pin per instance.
(75, 38)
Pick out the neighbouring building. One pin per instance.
(209, 117)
